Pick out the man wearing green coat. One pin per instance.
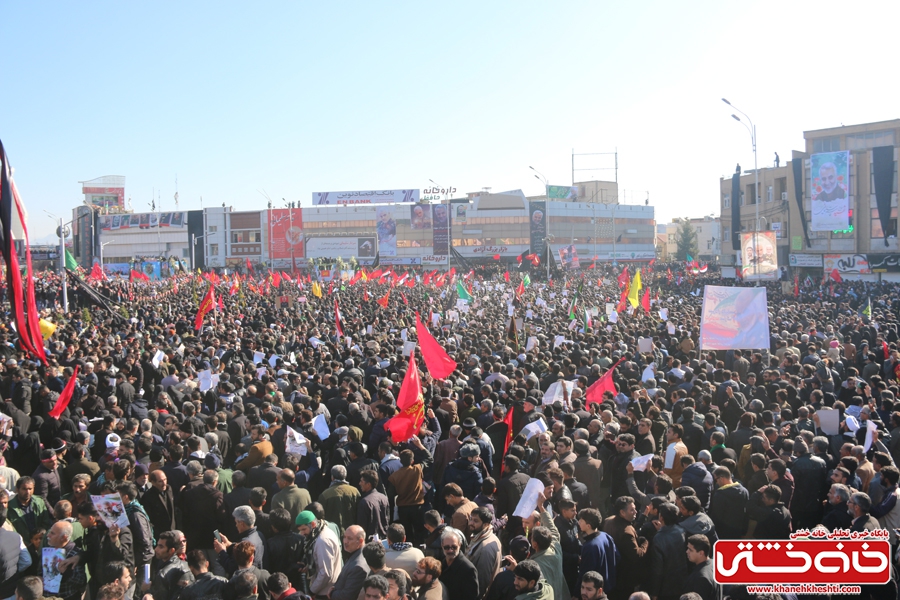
(28, 512)
(291, 498)
(214, 462)
(545, 548)
(340, 500)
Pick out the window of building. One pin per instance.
(726, 201)
(699, 228)
(212, 228)
(877, 231)
(872, 177)
(864, 141)
(708, 244)
(829, 144)
(243, 237)
(770, 194)
(214, 249)
(742, 198)
(727, 235)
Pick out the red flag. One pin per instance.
(383, 301)
(645, 301)
(519, 259)
(365, 294)
(623, 277)
(208, 303)
(410, 283)
(411, 405)
(886, 349)
(426, 279)
(506, 277)
(594, 394)
(593, 265)
(249, 266)
(405, 301)
(652, 260)
(63, 401)
(496, 257)
(375, 274)
(796, 286)
(221, 305)
(286, 277)
(97, 273)
(338, 319)
(276, 279)
(836, 276)
(138, 275)
(439, 363)
(234, 287)
(508, 419)
(521, 289)
(669, 275)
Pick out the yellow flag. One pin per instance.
(47, 328)
(634, 292)
(316, 289)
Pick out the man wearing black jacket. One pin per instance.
(773, 520)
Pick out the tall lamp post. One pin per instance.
(752, 129)
(62, 231)
(540, 177)
(102, 244)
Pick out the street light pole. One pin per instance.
(540, 177)
(752, 130)
(61, 231)
(102, 244)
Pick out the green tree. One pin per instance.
(687, 241)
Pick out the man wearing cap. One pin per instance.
(322, 552)
(46, 478)
(465, 471)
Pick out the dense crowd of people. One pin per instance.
(251, 458)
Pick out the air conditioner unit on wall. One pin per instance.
(784, 196)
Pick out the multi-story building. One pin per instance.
(861, 251)
(709, 238)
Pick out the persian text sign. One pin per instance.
(365, 197)
(834, 561)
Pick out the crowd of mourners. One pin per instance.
(197, 433)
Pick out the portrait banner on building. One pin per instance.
(386, 227)
(829, 174)
(440, 229)
(420, 216)
(537, 211)
(365, 197)
(734, 318)
(341, 247)
(286, 233)
(759, 256)
(562, 192)
(138, 221)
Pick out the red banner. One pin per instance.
(285, 233)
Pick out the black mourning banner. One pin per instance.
(736, 212)
(883, 170)
(797, 165)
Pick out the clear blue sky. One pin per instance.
(297, 97)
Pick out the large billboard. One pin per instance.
(285, 233)
(759, 256)
(104, 192)
(562, 192)
(440, 229)
(365, 197)
(846, 263)
(139, 221)
(341, 247)
(734, 318)
(829, 174)
(386, 227)
(537, 212)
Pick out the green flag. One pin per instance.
(463, 293)
(867, 311)
(526, 281)
(70, 261)
(575, 300)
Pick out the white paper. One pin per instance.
(315, 341)
(180, 350)
(610, 308)
(528, 501)
(670, 328)
(664, 314)
(258, 357)
(536, 428)
(531, 343)
(293, 358)
(301, 299)
(205, 380)
(829, 421)
(261, 371)
(435, 319)
(641, 462)
(112, 382)
(552, 295)
(645, 345)
(613, 318)
(369, 330)
(453, 316)
(558, 340)
(273, 360)
(510, 310)
(670, 455)
(50, 559)
(158, 358)
(214, 380)
(460, 303)
(404, 334)
(409, 348)
(871, 428)
(296, 443)
(320, 426)
(555, 392)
